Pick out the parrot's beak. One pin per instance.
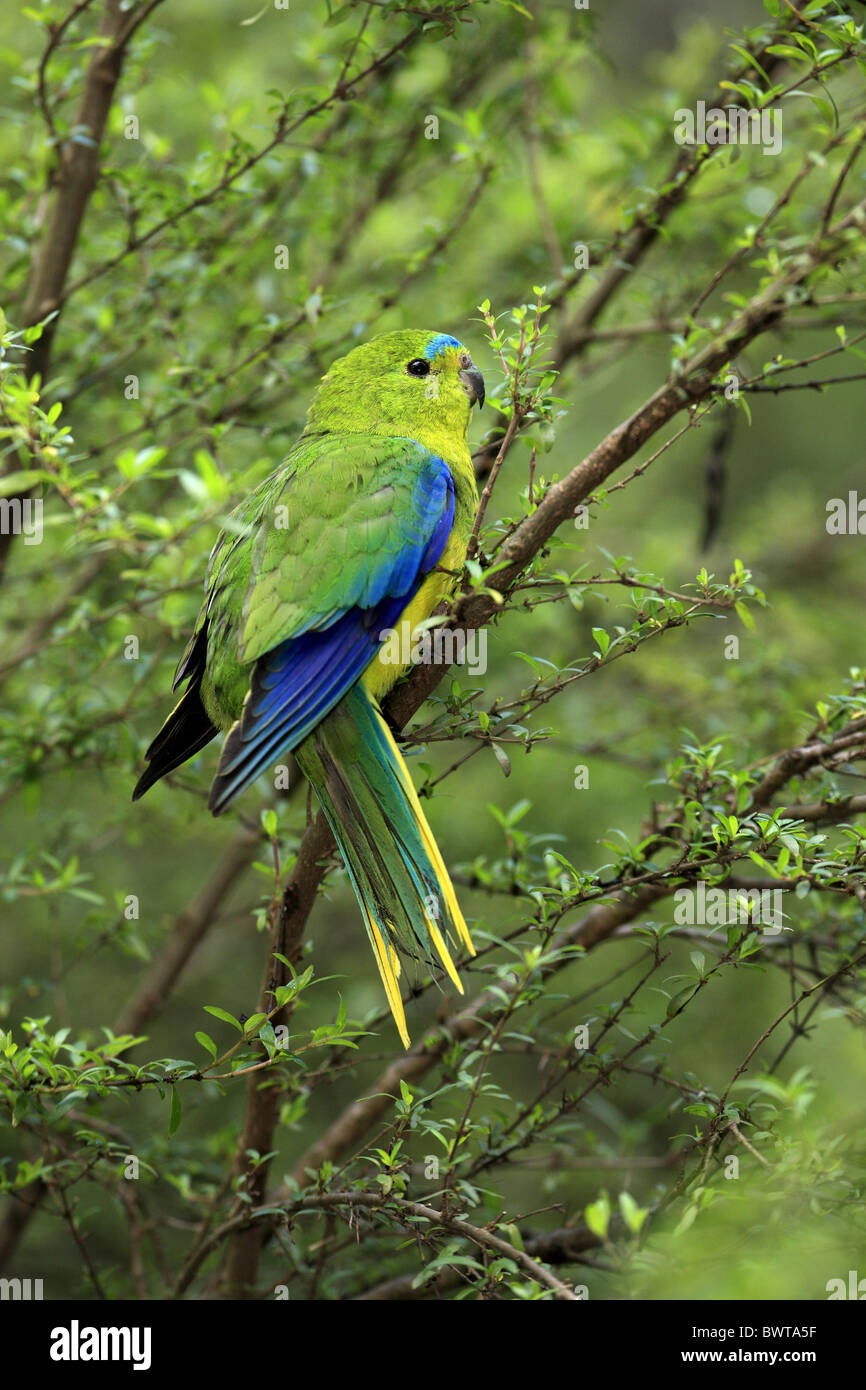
(473, 383)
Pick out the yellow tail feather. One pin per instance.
(389, 969)
(444, 954)
(433, 850)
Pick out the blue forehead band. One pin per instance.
(439, 344)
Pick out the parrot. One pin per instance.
(363, 527)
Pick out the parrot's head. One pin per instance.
(414, 384)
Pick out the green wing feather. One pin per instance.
(327, 531)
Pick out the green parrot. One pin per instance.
(363, 527)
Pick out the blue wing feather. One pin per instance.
(296, 684)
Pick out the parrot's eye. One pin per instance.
(418, 367)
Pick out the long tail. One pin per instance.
(393, 862)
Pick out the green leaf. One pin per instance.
(174, 1113)
(602, 638)
(633, 1215)
(514, 1236)
(744, 615)
(750, 59)
(22, 481)
(597, 1216)
(513, 5)
(207, 1042)
(222, 1014)
(339, 16)
(676, 1003)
